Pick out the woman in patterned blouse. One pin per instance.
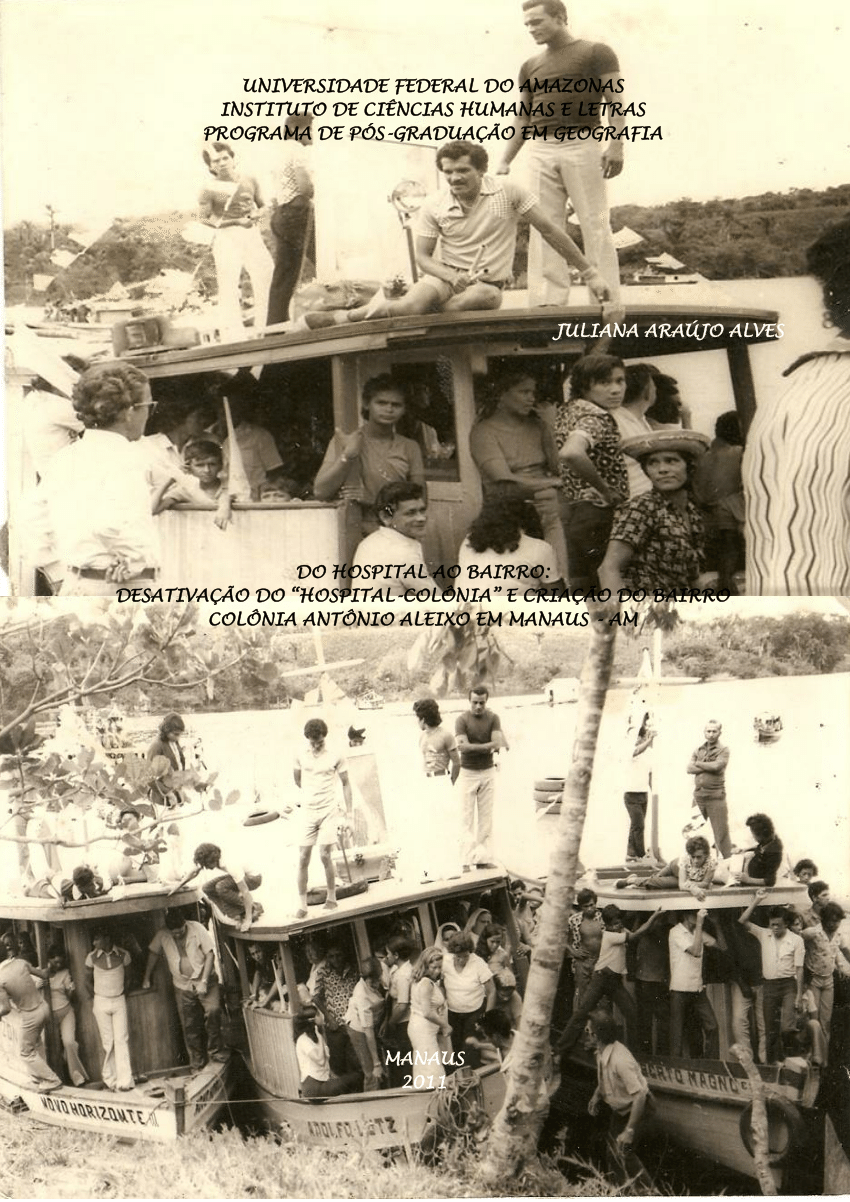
(657, 538)
(593, 470)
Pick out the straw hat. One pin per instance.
(686, 442)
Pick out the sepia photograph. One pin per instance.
(405, 913)
(287, 287)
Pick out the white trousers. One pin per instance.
(233, 248)
(110, 1014)
(562, 170)
(478, 791)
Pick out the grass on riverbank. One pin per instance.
(47, 1162)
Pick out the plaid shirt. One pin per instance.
(603, 452)
(668, 546)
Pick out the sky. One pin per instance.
(105, 101)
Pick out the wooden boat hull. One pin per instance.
(191, 1102)
(389, 1118)
(703, 1104)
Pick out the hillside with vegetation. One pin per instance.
(724, 239)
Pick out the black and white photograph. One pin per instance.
(286, 286)
(395, 913)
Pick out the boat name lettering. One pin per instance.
(715, 1083)
(125, 1116)
(354, 1127)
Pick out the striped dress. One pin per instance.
(796, 473)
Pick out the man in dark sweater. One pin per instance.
(479, 736)
(572, 99)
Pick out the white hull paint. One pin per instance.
(192, 1102)
(391, 1118)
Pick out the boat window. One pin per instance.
(293, 402)
(430, 417)
(384, 926)
(551, 381)
(134, 933)
(309, 951)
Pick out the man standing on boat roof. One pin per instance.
(18, 988)
(574, 169)
(479, 736)
(475, 222)
(316, 771)
(708, 766)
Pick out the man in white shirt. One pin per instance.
(392, 557)
(782, 957)
(688, 1000)
(316, 771)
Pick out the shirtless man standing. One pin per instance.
(18, 989)
(585, 939)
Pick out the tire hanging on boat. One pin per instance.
(779, 1111)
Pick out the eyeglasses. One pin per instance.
(146, 405)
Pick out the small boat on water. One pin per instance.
(767, 727)
(169, 1099)
(705, 1105)
(383, 1118)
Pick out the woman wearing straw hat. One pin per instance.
(657, 539)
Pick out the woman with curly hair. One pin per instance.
(515, 449)
(503, 535)
(795, 467)
(99, 503)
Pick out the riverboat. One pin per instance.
(705, 1105)
(384, 1118)
(310, 384)
(169, 1099)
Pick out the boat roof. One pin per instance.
(382, 897)
(122, 900)
(730, 897)
(513, 329)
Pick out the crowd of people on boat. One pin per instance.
(609, 487)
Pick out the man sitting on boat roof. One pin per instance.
(475, 222)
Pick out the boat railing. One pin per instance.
(272, 1046)
(249, 548)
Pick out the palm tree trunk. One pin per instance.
(516, 1129)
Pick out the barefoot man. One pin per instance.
(316, 771)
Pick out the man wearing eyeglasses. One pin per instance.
(100, 507)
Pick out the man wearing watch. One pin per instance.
(475, 224)
(622, 1087)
